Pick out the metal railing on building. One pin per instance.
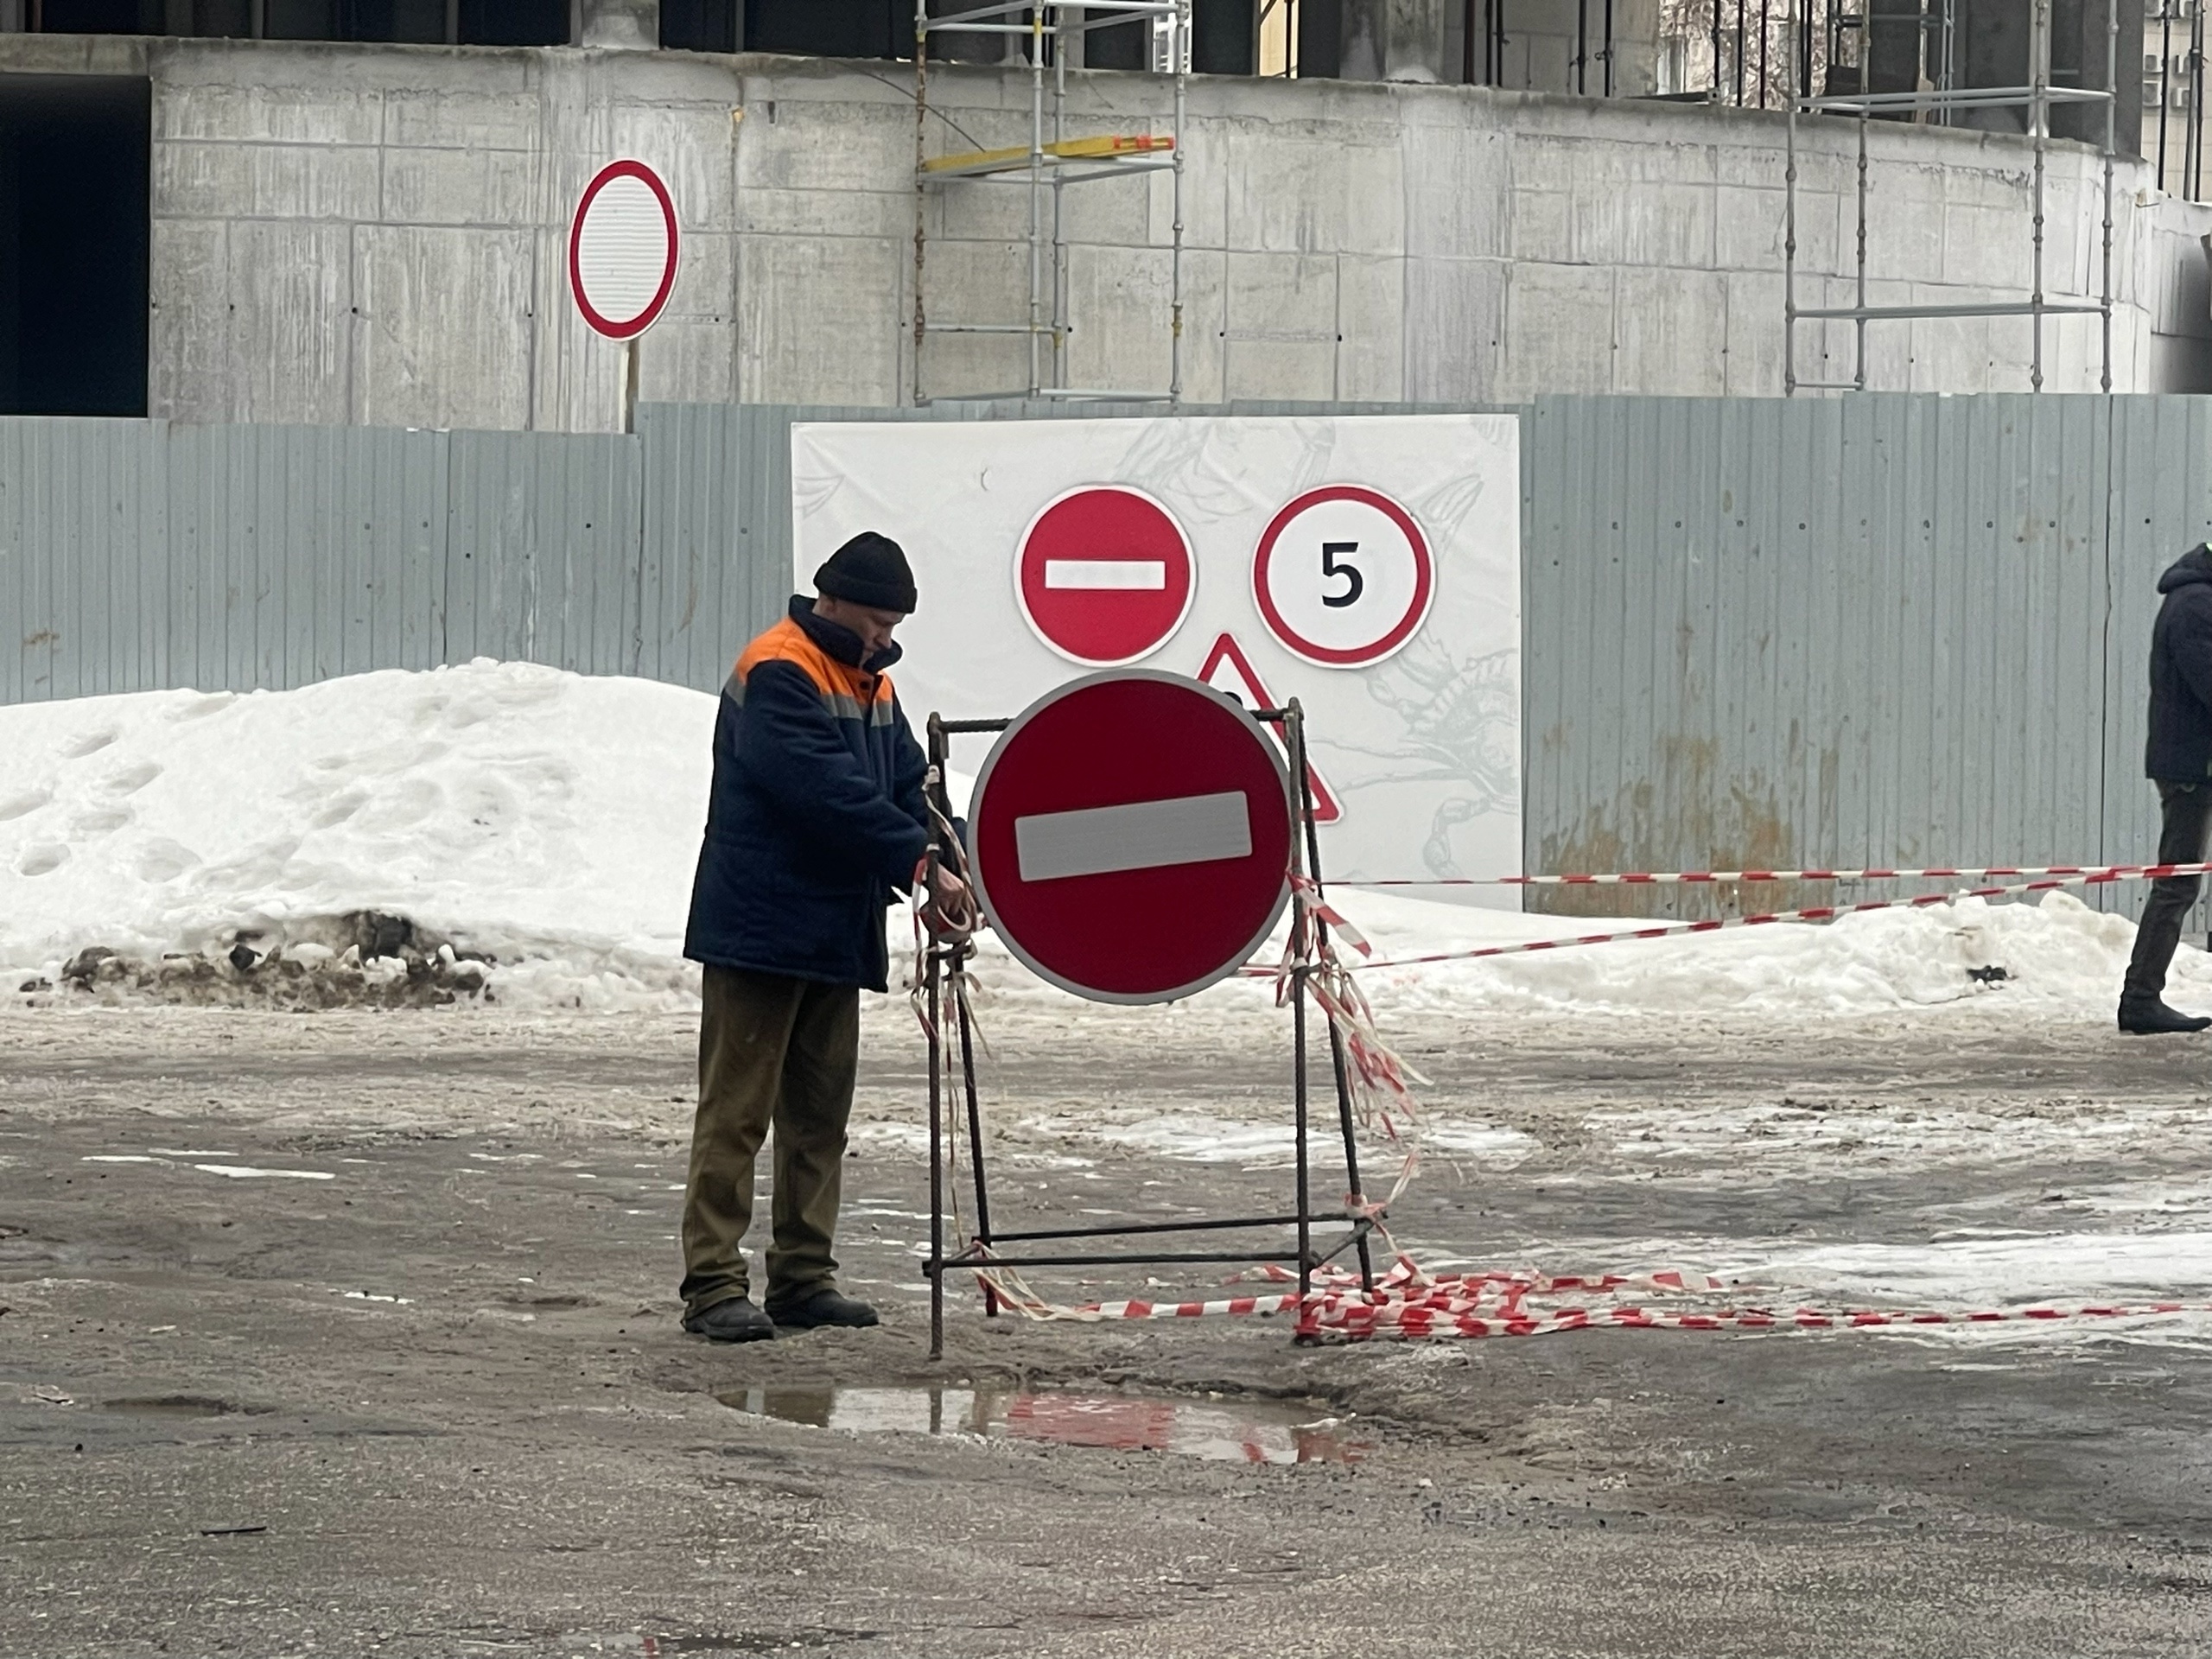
(2036, 98)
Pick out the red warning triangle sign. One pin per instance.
(1228, 668)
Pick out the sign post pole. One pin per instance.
(1293, 727)
(1301, 773)
(933, 988)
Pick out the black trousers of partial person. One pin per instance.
(2186, 811)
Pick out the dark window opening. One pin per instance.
(830, 28)
(101, 16)
(1224, 37)
(74, 237)
(425, 22)
(514, 23)
(1125, 46)
(699, 25)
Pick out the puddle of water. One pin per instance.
(177, 1405)
(1257, 1431)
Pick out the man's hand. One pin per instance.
(952, 912)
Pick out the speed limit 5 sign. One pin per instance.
(1344, 576)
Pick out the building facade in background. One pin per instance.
(336, 211)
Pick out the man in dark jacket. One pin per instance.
(816, 824)
(2179, 760)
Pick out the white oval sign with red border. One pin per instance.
(1105, 575)
(1343, 576)
(622, 250)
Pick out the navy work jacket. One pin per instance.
(2179, 749)
(817, 819)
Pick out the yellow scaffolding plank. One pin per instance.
(1067, 150)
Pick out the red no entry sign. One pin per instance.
(622, 250)
(1105, 575)
(1131, 837)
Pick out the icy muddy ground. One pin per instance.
(355, 1334)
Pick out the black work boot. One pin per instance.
(736, 1321)
(822, 1305)
(2150, 1018)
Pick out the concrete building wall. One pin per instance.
(377, 236)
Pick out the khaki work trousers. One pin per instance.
(773, 1051)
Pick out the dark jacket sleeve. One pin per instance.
(910, 771)
(2190, 642)
(795, 755)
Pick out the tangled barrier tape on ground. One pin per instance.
(1408, 1303)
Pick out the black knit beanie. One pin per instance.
(870, 570)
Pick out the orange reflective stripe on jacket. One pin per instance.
(846, 691)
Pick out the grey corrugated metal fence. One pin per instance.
(1867, 631)
(1881, 630)
(135, 555)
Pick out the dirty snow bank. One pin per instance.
(354, 828)
(365, 840)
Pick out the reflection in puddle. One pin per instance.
(1262, 1431)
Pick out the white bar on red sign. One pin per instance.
(1123, 576)
(1142, 836)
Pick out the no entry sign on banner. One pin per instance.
(1131, 837)
(1368, 565)
(1104, 575)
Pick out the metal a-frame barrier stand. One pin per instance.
(1049, 163)
(2036, 98)
(946, 960)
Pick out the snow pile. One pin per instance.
(371, 839)
(372, 831)
(2058, 954)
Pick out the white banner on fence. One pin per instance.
(1368, 565)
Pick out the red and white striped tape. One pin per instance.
(1682, 878)
(1812, 913)
(1356, 1321)
(1408, 1303)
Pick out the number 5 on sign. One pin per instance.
(1343, 576)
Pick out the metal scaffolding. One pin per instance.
(2036, 98)
(1048, 163)
(2178, 82)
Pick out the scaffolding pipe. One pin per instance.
(2038, 123)
(1059, 200)
(2165, 79)
(1175, 257)
(921, 182)
(1790, 238)
(1859, 323)
(1946, 61)
(2193, 129)
(1036, 189)
(2112, 139)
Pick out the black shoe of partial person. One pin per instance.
(736, 1321)
(2149, 1019)
(822, 1305)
